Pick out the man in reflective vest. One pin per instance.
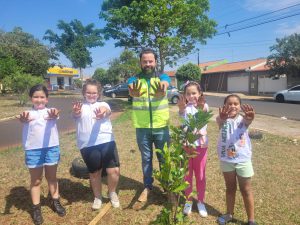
(150, 114)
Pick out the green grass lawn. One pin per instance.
(276, 184)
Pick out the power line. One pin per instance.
(255, 25)
(244, 20)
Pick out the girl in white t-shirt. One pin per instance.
(96, 142)
(192, 101)
(234, 151)
(41, 145)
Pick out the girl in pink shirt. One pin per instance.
(191, 101)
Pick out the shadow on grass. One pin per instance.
(74, 191)
(18, 197)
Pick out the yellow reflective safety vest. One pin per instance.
(148, 111)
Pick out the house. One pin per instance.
(249, 77)
(61, 77)
(203, 66)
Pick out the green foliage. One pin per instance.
(27, 52)
(78, 83)
(188, 72)
(8, 66)
(175, 166)
(101, 76)
(285, 58)
(20, 84)
(75, 41)
(123, 67)
(170, 27)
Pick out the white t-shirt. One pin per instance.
(191, 109)
(40, 132)
(90, 131)
(234, 144)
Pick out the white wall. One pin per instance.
(266, 84)
(238, 83)
(53, 80)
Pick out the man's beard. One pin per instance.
(148, 70)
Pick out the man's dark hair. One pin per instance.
(147, 51)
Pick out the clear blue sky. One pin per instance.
(36, 16)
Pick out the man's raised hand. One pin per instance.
(135, 89)
(159, 89)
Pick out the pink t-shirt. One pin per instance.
(203, 140)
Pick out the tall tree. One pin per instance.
(171, 27)
(120, 69)
(101, 76)
(75, 41)
(285, 58)
(25, 51)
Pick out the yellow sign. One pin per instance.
(66, 71)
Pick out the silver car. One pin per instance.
(173, 94)
(291, 94)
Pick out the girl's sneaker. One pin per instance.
(114, 199)
(188, 208)
(97, 204)
(202, 209)
(224, 219)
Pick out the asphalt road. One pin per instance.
(289, 110)
(11, 130)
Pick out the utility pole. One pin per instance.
(198, 57)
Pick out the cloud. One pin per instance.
(286, 29)
(268, 5)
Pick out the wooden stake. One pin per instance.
(102, 212)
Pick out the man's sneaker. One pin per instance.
(251, 223)
(37, 214)
(187, 208)
(114, 199)
(144, 195)
(97, 204)
(57, 207)
(202, 209)
(224, 219)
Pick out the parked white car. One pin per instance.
(291, 94)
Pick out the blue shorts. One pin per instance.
(42, 157)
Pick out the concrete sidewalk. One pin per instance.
(270, 124)
(242, 96)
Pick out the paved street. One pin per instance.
(11, 130)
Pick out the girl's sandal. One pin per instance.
(222, 220)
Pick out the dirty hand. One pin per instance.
(52, 114)
(249, 112)
(77, 108)
(101, 113)
(135, 89)
(159, 89)
(224, 112)
(181, 104)
(201, 101)
(24, 117)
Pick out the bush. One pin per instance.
(20, 84)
